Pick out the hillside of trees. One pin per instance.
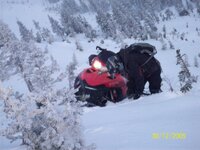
(127, 18)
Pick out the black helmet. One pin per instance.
(104, 55)
(91, 57)
(114, 65)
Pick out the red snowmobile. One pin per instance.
(95, 87)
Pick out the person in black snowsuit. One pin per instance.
(140, 68)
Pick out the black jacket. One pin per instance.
(133, 66)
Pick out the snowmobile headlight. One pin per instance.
(97, 64)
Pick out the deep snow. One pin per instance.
(132, 125)
(148, 123)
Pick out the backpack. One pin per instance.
(142, 48)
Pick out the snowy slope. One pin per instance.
(149, 123)
(132, 125)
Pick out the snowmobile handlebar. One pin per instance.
(101, 49)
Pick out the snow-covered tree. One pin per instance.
(78, 46)
(38, 37)
(71, 67)
(5, 34)
(29, 62)
(26, 34)
(25, 59)
(196, 63)
(66, 22)
(76, 25)
(164, 31)
(37, 25)
(83, 6)
(53, 126)
(164, 44)
(87, 28)
(171, 46)
(150, 28)
(56, 28)
(73, 24)
(135, 18)
(96, 5)
(123, 17)
(46, 35)
(169, 14)
(38, 33)
(185, 77)
(69, 7)
(43, 34)
(80, 25)
(107, 24)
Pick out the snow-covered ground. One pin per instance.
(169, 120)
(163, 121)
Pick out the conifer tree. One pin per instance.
(56, 28)
(164, 31)
(107, 24)
(26, 34)
(196, 63)
(5, 34)
(171, 46)
(28, 61)
(46, 35)
(43, 34)
(185, 77)
(71, 67)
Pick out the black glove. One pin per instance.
(136, 96)
(133, 95)
(114, 65)
(130, 93)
